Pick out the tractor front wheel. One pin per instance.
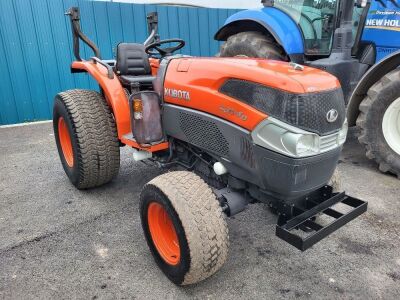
(184, 226)
(379, 121)
(86, 138)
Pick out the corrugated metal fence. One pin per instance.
(36, 45)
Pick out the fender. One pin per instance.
(117, 100)
(279, 24)
(374, 74)
(113, 91)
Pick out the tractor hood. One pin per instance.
(246, 91)
(275, 74)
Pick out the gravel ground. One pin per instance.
(57, 242)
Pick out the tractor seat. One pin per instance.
(133, 66)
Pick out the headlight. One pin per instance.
(300, 144)
(307, 145)
(294, 142)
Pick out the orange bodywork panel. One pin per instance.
(154, 64)
(194, 83)
(117, 100)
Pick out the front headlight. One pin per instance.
(300, 144)
(294, 142)
(307, 145)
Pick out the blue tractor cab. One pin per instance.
(358, 41)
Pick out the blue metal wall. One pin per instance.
(36, 45)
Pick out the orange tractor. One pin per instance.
(234, 130)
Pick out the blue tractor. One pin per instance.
(357, 41)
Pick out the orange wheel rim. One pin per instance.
(65, 142)
(163, 233)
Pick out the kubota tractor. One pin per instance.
(358, 41)
(233, 128)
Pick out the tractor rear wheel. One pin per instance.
(184, 226)
(253, 44)
(86, 138)
(379, 121)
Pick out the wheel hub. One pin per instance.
(163, 233)
(391, 125)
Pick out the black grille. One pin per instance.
(305, 111)
(203, 133)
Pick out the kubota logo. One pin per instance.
(179, 94)
(332, 115)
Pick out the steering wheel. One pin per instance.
(164, 51)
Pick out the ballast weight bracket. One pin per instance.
(318, 203)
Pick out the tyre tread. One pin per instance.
(264, 45)
(366, 137)
(95, 130)
(202, 219)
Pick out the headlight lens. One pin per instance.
(307, 145)
(294, 142)
(300, 144)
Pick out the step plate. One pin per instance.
(315, 231)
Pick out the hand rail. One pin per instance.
(110, 71)
(77, 34)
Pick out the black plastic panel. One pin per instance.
(306, 111)
(290, 178)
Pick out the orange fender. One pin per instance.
(117, 100)
(114, 93)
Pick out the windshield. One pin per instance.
(316, 19)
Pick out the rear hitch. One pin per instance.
(304, 217)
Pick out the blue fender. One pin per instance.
(279, 24)
(375, 73)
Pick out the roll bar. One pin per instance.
(152, 25)
(77, 34)
(75, 17)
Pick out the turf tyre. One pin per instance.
(199, 224)
(93, 134)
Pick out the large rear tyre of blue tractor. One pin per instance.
(252, 44)
(379, 121)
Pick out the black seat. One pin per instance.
(133, 65)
